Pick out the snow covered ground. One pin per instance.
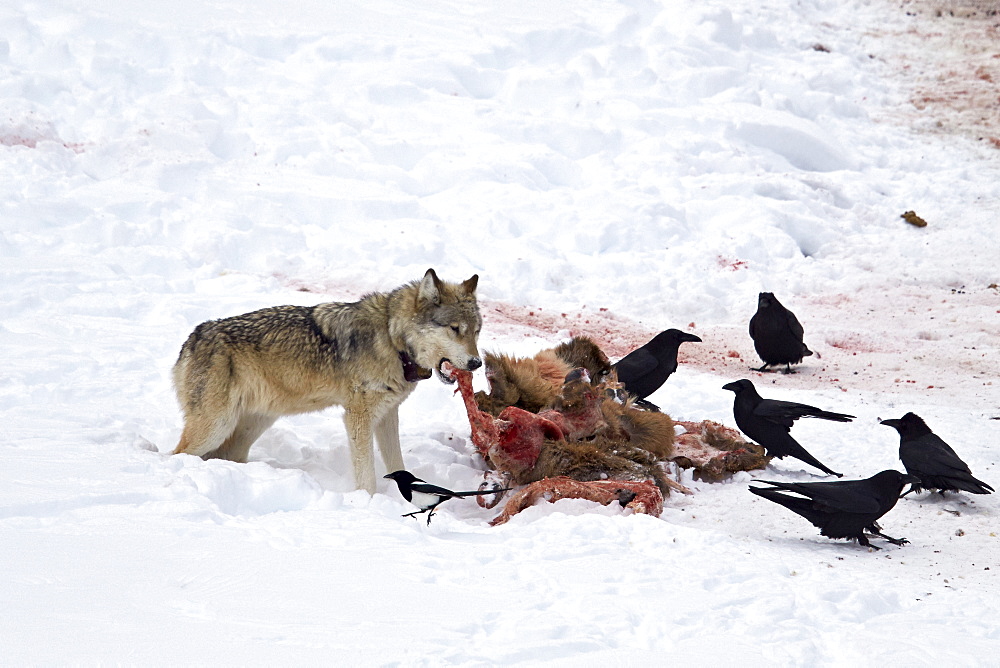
(607, 168)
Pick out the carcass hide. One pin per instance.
(529, 448)
(641, 497)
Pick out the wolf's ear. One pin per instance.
(470, 285)
(430, 288)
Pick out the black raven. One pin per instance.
(427, 496)
(776, 334)
(931, 460)
(646, 368)
(769, 422)
(842, 508)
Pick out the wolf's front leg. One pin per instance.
(387, 436)
(358, 421)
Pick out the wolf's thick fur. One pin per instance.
(236, 376)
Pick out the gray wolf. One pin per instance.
(235, 376)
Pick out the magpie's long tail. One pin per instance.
(483, 492)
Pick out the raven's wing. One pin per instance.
(849, 496)
(783, 412)
(635, 365)
(786, 412)
(930, 455)
(794, 325)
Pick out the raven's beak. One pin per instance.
(910, 479)
(894, 423)
(690, 338)
(732, 387)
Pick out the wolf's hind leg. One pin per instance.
(204, 383)
(387, 436)
(205, 433)
(248, 430)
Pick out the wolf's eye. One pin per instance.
(454, 328)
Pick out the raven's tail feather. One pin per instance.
(973, 486)
(834, 417)
(794, 449)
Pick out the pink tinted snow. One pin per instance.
(897, 340)
(909, 340)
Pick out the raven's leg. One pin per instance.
(863, 541)
(894, 541)
(875, 530)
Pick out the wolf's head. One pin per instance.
(445, 325)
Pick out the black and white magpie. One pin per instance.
(426, 496)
